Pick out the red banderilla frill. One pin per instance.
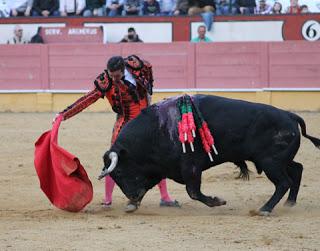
(181, 136)
(186, 126)
(209, 137)
(205, 134)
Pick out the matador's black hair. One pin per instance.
(116, 63)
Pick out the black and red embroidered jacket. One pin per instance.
(126, 99)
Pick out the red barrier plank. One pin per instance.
(84, 49)
(294, 46)
(74, 72)
(229, 59)
(227, 83)
(20, 67)
(77, 61)
(295, 58)
(20, 50)
(170, 61)
(72, 84)
(16, 84)
(235, 71)
(294, 65)
(20, 61)
(19, 73)
(230, 65)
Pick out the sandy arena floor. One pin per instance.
(29, 222)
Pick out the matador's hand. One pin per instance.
(56, 117)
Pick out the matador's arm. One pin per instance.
(102, 85)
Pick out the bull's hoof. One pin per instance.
(171, 203)
(132, 206)
(290, 203)
(259, 213)
(216, 201)
(264, 213)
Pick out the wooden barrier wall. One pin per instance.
(180, 65)
(294, 65)
(232, 65)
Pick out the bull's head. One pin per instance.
(132, 178)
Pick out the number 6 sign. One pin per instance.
(311, 30)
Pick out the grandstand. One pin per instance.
(313, 5)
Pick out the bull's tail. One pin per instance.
(302, 124)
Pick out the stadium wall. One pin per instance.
(49, 77)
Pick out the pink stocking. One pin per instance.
(109, 185)
(163, 190)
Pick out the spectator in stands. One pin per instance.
(114, 7)
(263, 8)
(37, 38)
(294, 7)
(201, 35)
(245, 7)
(132, 8)
(151, 8)
(4, 8)
(167, 7)
(131, 37)
(71, 8)
(304, 9)
(226, 7)
(181, 7)
(94, 8)
(200, 6)
(17, 36)
(21, 7)
(205, 8)
(45, 8)
(277, 8)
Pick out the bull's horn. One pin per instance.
(113, 156)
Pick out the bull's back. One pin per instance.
(243, 128)
(225, 114)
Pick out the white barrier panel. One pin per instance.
(29, 30)
(148, 32)
(249, 31)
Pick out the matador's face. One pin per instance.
(116, 76)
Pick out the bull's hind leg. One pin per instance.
(295, 173)
(277, 174)
(244, 171)
(192, 179)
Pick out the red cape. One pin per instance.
(62, 177)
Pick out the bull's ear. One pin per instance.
(122, 153)
(106, 154)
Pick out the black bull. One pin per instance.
(148, 149)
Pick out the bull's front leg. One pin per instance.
(192, 178)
